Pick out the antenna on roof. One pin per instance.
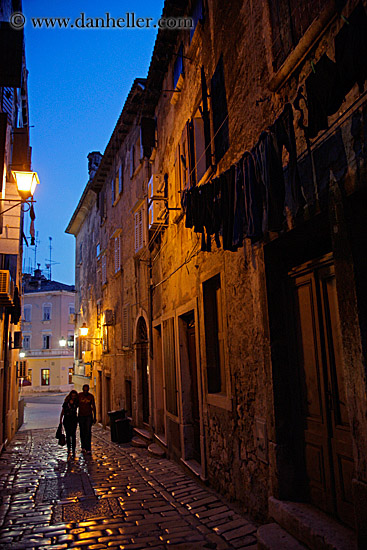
(50, 261)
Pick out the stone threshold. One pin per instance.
(194, 467)
(311, 526)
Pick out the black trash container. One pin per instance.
(114, 416)
(123, 430)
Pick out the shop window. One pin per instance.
(45, 377)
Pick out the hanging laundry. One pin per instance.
(324, 95)
(253, 199)
(351, 50)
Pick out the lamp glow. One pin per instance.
(62, 342)
(83, 330)
(26, 183)
(21, 354)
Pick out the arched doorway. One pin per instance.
(143, 369)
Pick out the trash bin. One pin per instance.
(123, 430)
(114, 416)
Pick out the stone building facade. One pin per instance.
(48, 311)
(15, 154)
(254, 347)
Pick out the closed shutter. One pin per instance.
(191, 152)
(117, 253)
(126, 326)
(170, 366)
(220, 112)
(206, 119)
(138, 230)
(121, 176)
(104, 269)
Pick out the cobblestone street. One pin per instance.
(120, 497)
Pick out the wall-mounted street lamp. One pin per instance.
(62, 342)
(83, 331)
(26, 182)
(21, 354)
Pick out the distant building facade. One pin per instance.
(47, 318)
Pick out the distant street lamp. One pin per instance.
(62, 342)
(21, 354)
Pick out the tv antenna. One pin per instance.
(50, 261)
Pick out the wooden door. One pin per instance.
(327, 437)
(195, 413)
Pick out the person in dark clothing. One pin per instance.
(70, 420)
(86, 417)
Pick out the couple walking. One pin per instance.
(79, 408)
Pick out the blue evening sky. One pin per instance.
(78, 82)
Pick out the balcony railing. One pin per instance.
(58, 352)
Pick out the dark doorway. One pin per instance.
(190, 389)
(142, 360)
(129, 398)
(327, 438)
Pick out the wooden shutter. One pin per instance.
(191, 153)
(220, 112)
(121, 178)
(170, 366)
(138, 230)
(126, 326)
(206, 119)
(117, 253)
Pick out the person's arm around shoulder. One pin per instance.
(93, 406)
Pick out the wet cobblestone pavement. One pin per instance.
(120, 497)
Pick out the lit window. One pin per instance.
(45, 377)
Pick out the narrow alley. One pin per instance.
(120, 497)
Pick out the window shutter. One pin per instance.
(126, 326)
(138, 230)
(191, 152)
(120, 176)
(104, 269)
(147, 135)
(132, 161)
(206, 119)
(220, 112)
(117, 253)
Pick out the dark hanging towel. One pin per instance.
(283, 132)
(253, 199)
(351, 50)
(324, 95)
(227, 198)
